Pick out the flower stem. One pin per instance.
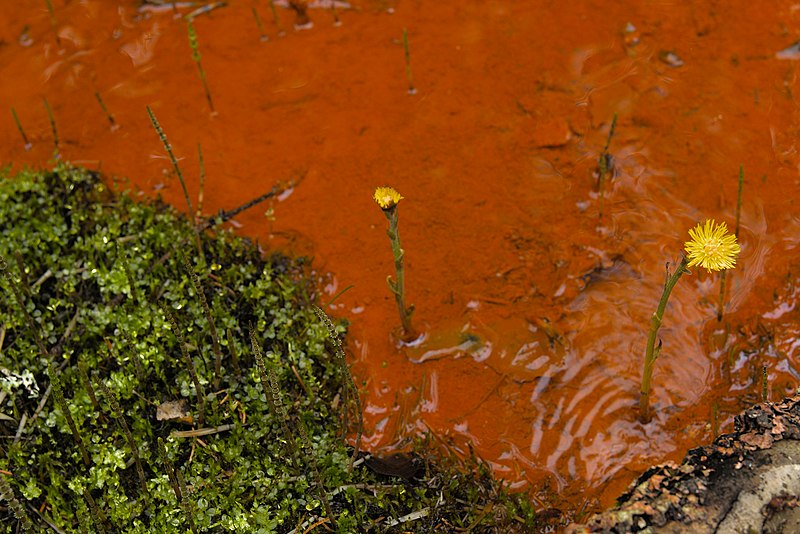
(398, 286)
(651, 353)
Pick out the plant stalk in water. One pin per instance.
(53, 21)
(411, 89)
(723, 281)
(710, 247)
(260, 26)
(196, 58)
(387, 199)
(604, 166)
(21, 129)
(52, 125)
(109, 116)
(652, 352)
(275, 18)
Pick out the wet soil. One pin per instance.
(534, 306)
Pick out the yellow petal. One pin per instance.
(711, 246)
(386, 197)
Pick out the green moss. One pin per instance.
(75, 241)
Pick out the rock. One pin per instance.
(746, 481)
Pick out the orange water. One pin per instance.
(535, 310)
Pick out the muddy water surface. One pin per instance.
(534, 308)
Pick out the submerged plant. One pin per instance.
(710, 247)
(109, 116)
(387, 199)
(275, 18)
(605, 165)
(412, 90)
(52, 120)
(259, 24)
(53, 21)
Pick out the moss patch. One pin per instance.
(88, 276)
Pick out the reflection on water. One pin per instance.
(536, 309)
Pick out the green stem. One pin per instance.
(168, 148)
(21, 130)
(398, 287)
(651, 353)
(276, 18)
(109, 116)
(196, 57)
(52, 125)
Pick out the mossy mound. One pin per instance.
(88, 275)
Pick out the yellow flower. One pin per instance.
(386, 197)
(711, 247)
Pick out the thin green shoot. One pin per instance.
(339, 294)
(187, 360)
(652, 352)
(171, 155)
(119, 416)
(200, 193)
(52, 125)
(109, 116)
(196, 57)
(260, 25)
(336, 20)
(53, 21)
(58, 395)
(411, 88)
(276, 19)
(28, 144)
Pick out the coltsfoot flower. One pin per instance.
(386, 197)
(711, 246)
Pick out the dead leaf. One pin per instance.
(177, 410)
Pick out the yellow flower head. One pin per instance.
(711, 247)
(386, 197)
